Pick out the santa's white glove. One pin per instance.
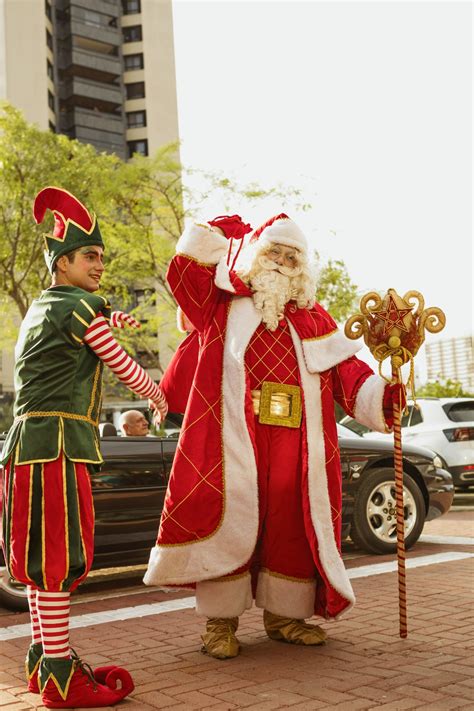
(118, 319)
(159, 406)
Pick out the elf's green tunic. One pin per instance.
(48, 513)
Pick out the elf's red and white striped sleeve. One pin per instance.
(100, 339)
(118, 319)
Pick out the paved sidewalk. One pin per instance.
(365, 665)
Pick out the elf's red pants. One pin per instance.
(48, 523)
(282, 566)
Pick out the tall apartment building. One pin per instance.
(453, 359)
(101, 71)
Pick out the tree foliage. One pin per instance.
(142, 207)
(443, 387)
(335, 290)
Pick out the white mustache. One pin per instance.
(270, 265)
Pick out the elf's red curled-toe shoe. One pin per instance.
(69, 683)
(33, 659)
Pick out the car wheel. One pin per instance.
(12, 594)
(374, 522)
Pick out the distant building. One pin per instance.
(101, 71)
(453, 359)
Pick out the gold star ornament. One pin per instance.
(395, 313)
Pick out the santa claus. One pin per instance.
(253, 508)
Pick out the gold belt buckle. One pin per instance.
(278, 404)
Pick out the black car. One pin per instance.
(129, 493)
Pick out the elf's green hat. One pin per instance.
(74, 225)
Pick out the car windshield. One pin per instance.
(355, 427)
(412, 416)
(344, 431)
(460, 411)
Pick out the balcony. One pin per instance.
(92, 119)
(108, 7)
(102, 141)
(102, 34)
(104, 131)
(90, 65)
(91, 95)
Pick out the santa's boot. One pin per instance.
(69, 683)
(287, 629)
(32, 662)
(220, 640)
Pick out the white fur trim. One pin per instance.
(285, 597)
(203, 244)
(224, 598)
(286, 232)
(323, 353)
(369, 404)
(234, 541)
(320, 506)
(180, 320)
(222, 280)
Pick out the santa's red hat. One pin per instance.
(281, 230)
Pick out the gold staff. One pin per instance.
(394, 327)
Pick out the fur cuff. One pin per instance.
(369, 404)
(222, 279)
(324, 352)
(224, 597)
(288, 597)
(202, 244)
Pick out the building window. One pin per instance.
(136, 119)
(52, 127)
(49, 69)
(135, 90)
(130, 7)
(140, 147)
(133, 61)
(49, 40)
(92, 18)
(47, 9)
(132, 34)
(50, 101)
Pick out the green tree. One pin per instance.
(30, 159)
(443, 387)
(142, 206)
(335, 290)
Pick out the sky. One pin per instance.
(364, 106)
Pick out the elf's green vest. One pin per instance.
(58, 380)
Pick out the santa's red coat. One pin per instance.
(210, 518)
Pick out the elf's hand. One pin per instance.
(231, 225)
(118, 319)
(159, 408)
(393, 393)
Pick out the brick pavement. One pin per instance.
(365, 665)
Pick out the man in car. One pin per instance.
(52, 446)
(133, 423)
(253, 508)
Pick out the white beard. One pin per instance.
(272, 290)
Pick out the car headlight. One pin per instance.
(437, 462)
